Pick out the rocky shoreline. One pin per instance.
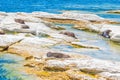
(31, 35)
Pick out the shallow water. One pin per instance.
(11, 66)
(109, 50)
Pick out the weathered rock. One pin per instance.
(62, 37)
(78, 75)
(116, 37)
(110, 76)
(91, 66)
(20, 21)
(8, 40)
(35, 47)
(71, 34)
(57, 55)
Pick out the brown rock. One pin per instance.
(57, 55)
(71, 34)
(25, 26)
(20, 21)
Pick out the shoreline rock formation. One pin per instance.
(35, 40)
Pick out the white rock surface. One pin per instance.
(7, 40)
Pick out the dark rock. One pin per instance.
(20, 21)
(106, 33)
(71, 34)
(2, 32)
(57, 55)
(25, 26)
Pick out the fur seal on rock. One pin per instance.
(71, 34)
(106, 33)
(57, 55)
(20, 21)
(24, 26)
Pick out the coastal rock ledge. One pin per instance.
(34, 36)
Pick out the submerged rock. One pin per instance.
(57, 55)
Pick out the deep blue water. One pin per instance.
(58, 5)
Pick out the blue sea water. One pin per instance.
(56, 6)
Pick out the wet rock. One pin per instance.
(25, 26)
(20, 21)
(106, 33)
(2, 32)
(71, 34)
(57, 55)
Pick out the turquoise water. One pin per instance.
(11, 68)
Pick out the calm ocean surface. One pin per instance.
(8, 63)
(56, 6)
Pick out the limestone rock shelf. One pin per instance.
(32, 36)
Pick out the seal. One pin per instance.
(20, 21)
(57, 55)
(70, 34)
(106, 33)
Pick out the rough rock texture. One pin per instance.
(35, 41)
(31, 47)
(7, 40)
